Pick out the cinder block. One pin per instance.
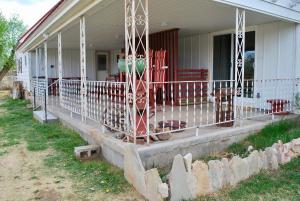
(87, 152)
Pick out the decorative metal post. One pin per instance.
(137, 80)
(59, 56)
(83, 90)
(239, 63)
(37, 66)
(46, 70)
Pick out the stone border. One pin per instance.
(188, 180)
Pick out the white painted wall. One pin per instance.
(71, 63)
(24, 76)
(194, 51)
(297, 67)
(275, 50)
(114, 63)
(275, 46)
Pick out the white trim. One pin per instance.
(265, 8)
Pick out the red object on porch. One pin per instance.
(160, 68)
(200, 76)
(278, 106)
(167, 40)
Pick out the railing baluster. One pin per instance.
(155, 106)
(179, 85)
(194, 119)
(172, 106)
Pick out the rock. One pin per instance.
(254, 163)
(263, 160)
(250, 148)
(163, 189)
(134, 170)
(153, 182)
(178, 180)
(239, 168)
(202, 182)
(216, 174)
(296, 145)
(282, 152)
(288, 146)
(188, 162)
(271, 155)
(290, 153)
(228, 178)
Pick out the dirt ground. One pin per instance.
(24, 177)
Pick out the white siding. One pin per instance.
(275, 49)
(193, 51)
(114, 62)
(24, 75)
(71, 64)
(297, 67)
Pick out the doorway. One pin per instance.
(102, 61)
(224, 60)
(222, 57)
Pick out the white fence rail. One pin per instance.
(175, 106)
(106, 104)
(38, 88)
(183, 105)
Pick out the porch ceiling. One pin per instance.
(105, 25)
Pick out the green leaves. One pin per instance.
(10, 31)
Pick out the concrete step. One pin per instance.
(40, 116)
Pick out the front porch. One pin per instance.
(185, 97)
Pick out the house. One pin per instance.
(177, 76)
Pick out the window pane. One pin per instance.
(102, 62)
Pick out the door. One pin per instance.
(102, 65)
(222, 57)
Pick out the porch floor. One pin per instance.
(160, 154)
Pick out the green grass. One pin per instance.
(17, 126)
(285, 131)
(283, 184)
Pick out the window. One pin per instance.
(101, 62)
(19, 65)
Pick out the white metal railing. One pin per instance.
(106, 104)
(183, 105)
(268, 97)
(177, 105)
(38, 88)
(105, 101)
(70, 92)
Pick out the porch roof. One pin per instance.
(105, 21)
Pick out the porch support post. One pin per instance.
(59, 56)
(147, 70)
(239, 64)
(83, 90)
(46, 69)
(137, 81)
(37, 65)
